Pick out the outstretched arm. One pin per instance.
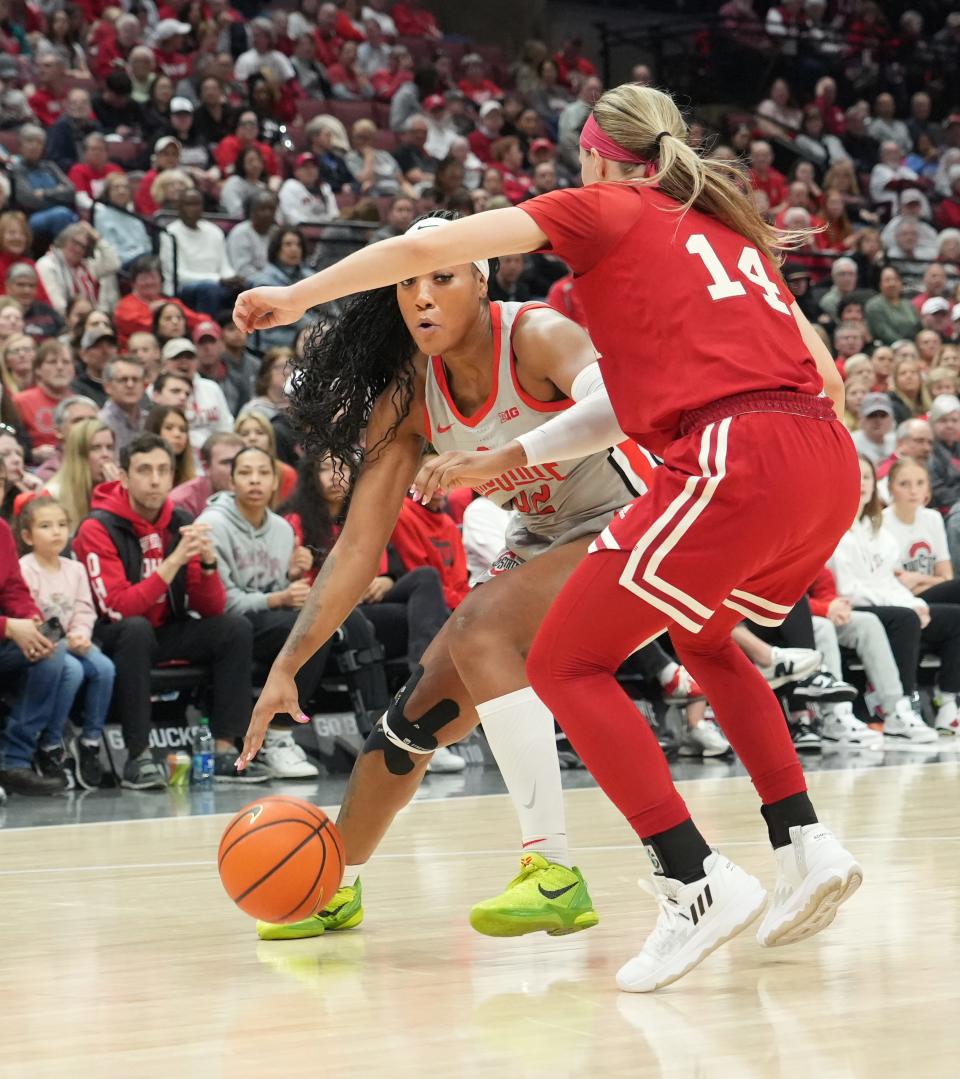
(350, 566)
(497, 232)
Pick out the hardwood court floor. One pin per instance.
(120, 955)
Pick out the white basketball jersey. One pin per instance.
(550, 499)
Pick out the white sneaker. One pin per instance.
(694, 920)
(905, 727)
(790, 665)
(445, 760)
(284, 759)
(839, 725)
(815, 874)
(948, 720)
(703, 740)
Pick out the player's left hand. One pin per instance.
(278, 697)
(460, 469)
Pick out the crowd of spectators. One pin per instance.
(155, 163)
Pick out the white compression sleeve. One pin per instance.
(587, 426)
(519, 730)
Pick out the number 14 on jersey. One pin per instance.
(749, 264)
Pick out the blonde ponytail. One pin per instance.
(641, 119)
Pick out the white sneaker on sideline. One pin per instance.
(815, 874)
(947, 723)
(839, 725)
(703, 740)
(790, 665)
(695, 919)
(445, 760)
(906, 727)
(284, 759)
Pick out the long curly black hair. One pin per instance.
(347, 364)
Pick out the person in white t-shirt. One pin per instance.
(866, 566)
(875, 438)
(304, 200)
(207, 410)
(263, 55)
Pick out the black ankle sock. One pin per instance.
(678, 852)
(786, 814)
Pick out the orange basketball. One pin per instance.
(281, 859)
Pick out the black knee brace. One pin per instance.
(418, 738)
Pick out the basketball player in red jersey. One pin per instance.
(709, 364)
(442, 362)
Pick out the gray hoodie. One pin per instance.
(253, 562)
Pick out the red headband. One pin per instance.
(593, 137)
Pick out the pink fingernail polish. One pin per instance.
(303, 718)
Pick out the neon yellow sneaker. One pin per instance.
(543, 896)
(345, 911)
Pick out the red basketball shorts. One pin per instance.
(742, 515)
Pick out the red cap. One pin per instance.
(540, 144)
(305, 159)
(953, 118)
(207, 328)
(434, 101)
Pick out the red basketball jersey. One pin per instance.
(682, 309)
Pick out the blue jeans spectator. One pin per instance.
(53, 221)
(97, 673)
(210, 297)
(41, 706)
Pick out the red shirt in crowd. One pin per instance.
(174, 65)
(47, 107)
(89, 180)
(425, 538)
(774, 185)
(293, 519)
(481, 143)
(627, 245)
(15, 598)
(479, 92)
(822, 592)
(564, 67)
(36, 408)
(228, 150)
(516, 186)
(563, 297)
(413, 21)
(133, 315)
(328, 48)
(115, 595)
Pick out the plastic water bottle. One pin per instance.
(202, 770)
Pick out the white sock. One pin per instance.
(947, 698)
(519, 728)
(350, 874)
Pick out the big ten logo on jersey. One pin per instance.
(508, 414)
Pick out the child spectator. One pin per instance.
(61, 591)
(31, 746)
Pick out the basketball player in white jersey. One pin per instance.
(433, 360)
